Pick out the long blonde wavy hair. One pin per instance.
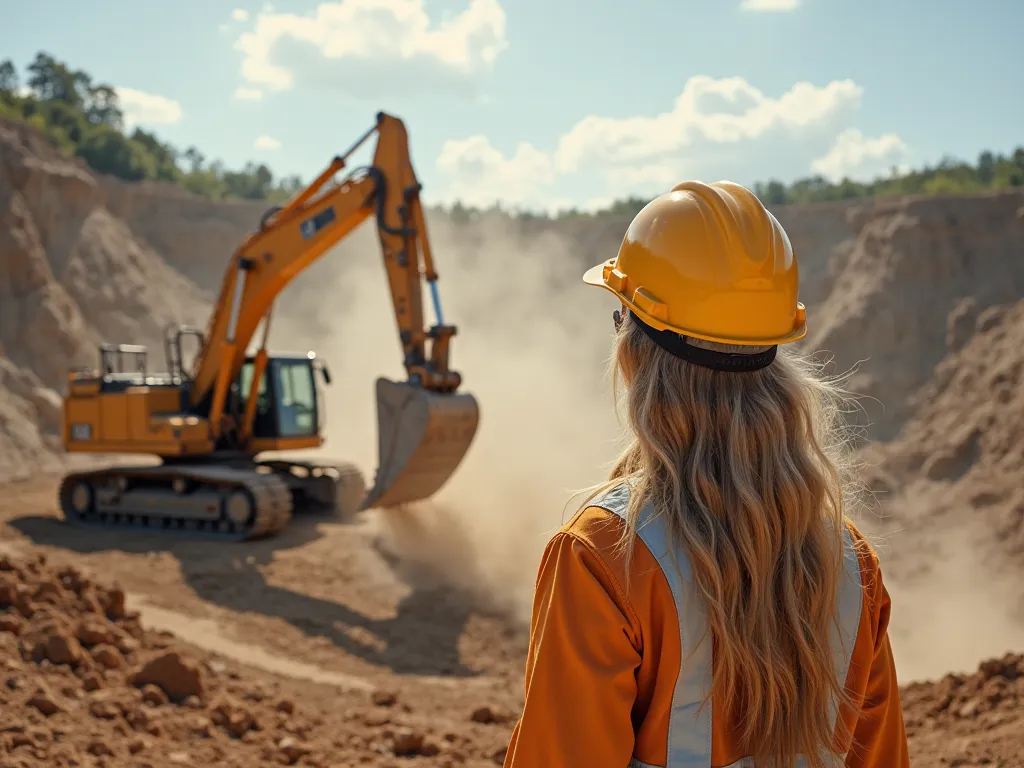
(748, 471)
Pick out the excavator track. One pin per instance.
(209, 501)
(335, 488)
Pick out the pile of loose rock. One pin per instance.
(85, 684)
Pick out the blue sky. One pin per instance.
(550, 103)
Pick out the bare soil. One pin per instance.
(314, 649)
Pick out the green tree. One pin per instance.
(102, 107)
(986, 168)
(775, 193)
(108, 151)
(8, 77)
(195, 159)
(165, 157)
(51, 80)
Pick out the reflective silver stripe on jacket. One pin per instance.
(689, 731)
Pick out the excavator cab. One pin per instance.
(288, 405)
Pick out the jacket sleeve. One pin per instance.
(880, 738)
(580, 668)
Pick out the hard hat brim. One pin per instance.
(595, 277)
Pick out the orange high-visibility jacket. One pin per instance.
(605, 687)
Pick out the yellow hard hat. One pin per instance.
(708, 261)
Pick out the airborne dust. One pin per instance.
(532, 346)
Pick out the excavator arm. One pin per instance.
(292, 238)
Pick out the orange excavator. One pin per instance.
(209, 425)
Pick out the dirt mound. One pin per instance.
(87, 684)
(967, 429)
(71, 275)
(907, 291)
(969, 720)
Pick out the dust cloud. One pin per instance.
(955, 601)
(532, 347)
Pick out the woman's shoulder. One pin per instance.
(866, 551)
(876, 596)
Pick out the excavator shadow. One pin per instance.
(421, 638)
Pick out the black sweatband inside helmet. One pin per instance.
(677, 346)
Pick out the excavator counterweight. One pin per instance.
(211, 425)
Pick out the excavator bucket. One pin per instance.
(423, 437)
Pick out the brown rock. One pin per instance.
(140, 718)
(113, 603)
(10, 591)
(108, 656)
(10, 623)
(239, 723)
(59, 646)
(972, 708)
(287, 706)
(405, 742)
(483, 715)
(21, 740)
(376, 719)
(233, 717)
(71, 692)
(100, 748)
(384, 698)
(44, 701)
(94, 630)
(91, 603)
(104, 709)
(50, 592)
(126, 644)
(138, 745)
(92, 682)
(154, 696)
(990, 668)
(292, 750)
(179, 676)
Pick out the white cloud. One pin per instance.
(481, 175)
(267, 142)
(248, 94)
(371, 47)
(770, 5)
(708, 116)
(240, 14)
(715, 129)
(857, 157)
(141, 108)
